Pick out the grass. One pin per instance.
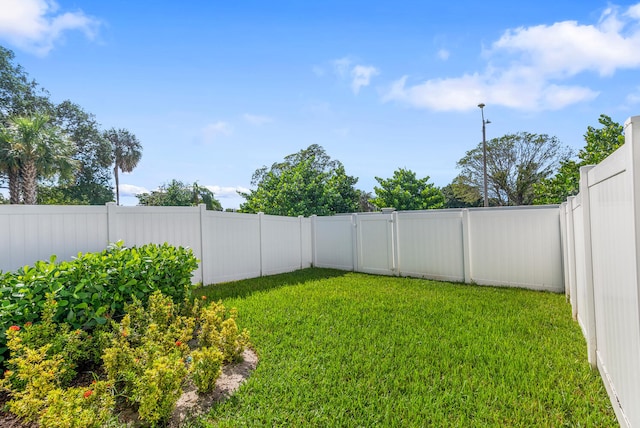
(350, 350)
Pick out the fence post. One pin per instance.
(300, 240)
(354, 241)
(563, 246)
(588, 267)
(466, 245)
(395, 242)
(314, 252)
(572, 203)
(203, 235)
(260, 219)
(112, 223)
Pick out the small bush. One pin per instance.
(95, 286)
(207, 367)
(146, 361)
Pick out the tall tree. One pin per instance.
(600, 143)
(460, 195)
(41, 151)
(19, 95)
(92, 184)
(515, 163)
(305, 183)
(127, 152)
(364, 202)
(404, 191)
(10, 164)
(176, 193)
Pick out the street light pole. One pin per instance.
(484, 154)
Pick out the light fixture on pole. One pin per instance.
(484, 153)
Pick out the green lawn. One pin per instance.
(347, 349)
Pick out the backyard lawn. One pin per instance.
(347, 349)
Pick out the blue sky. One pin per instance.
(216, 89)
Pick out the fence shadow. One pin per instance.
(246, 287)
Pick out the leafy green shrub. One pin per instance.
(221, 333)
(79, 407)
(72, 346)
(94, 286)
(207, 367)
(146, 361)
(159, 388)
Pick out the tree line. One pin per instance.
(57, 154)
(522, 169)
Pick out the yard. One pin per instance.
(347, 349)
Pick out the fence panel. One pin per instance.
(613, 192)
(280, 244)
(580, 295)
(306, 243)
(179, 226)
(231, 245)
(430, 245)
(32, 233)
(375, 244)
(334, 243)
(516, 247)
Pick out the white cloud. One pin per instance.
(257, 119)
(213, 130)
(530, 68)
(359, 75)
(36, 25)
(131, 190)
(634, 96)
(362, 75)
(443, 54)
(227, 192)
(342, 66)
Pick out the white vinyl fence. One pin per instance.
(516, 246)
(230, 246)
(601, 229)
(588, 248)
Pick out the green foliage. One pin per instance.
(176, 193)
(404, 191)
(458, 195)
(32, 148)
(92, 183)
(207, 367)
(146, 361)
(515, 163)
(19, 95)
(222, 334)
(159, 388)
(79, 407)
(600, 143)
(73, 346)
(43, 361)
(95, 286)
(305, 183)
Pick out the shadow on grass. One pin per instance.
(246, 287)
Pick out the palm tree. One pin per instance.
(33, 148)
(10, 165)
(127, 152)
